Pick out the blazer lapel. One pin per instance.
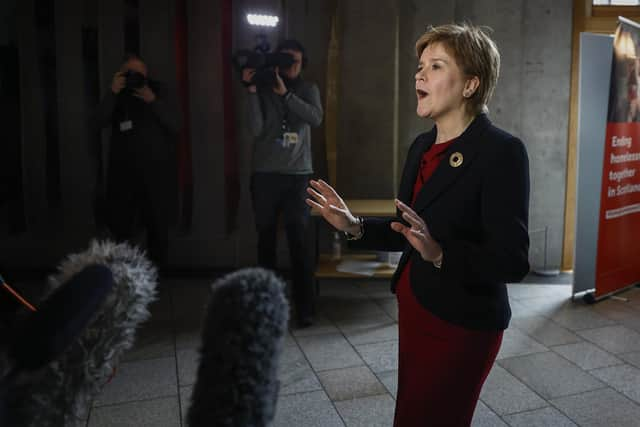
(410, 173)
(464, 149)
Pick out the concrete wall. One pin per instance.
(377, 120)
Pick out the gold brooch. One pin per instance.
(455, 159)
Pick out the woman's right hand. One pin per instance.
(331, 206)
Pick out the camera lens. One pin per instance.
(135, 80)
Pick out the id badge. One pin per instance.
(289, 138)
(126, 125)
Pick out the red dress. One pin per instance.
(441, 366)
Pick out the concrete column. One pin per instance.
(156, 39)
(76, 175)
(366, 113)
(110, 40)
(33, 120)
(205, 245)
(111, 55)
(546, 80)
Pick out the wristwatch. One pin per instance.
(350, 236)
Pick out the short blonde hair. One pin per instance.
(475, 53)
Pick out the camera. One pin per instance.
(265, 64)
(134, 80)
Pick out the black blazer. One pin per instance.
(478, 212)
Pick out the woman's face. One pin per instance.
(439, 83)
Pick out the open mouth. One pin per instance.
(421, 94)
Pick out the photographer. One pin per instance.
(143, 125)
(281, 111)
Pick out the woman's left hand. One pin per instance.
(417, 234)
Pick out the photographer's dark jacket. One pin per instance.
(300, 109)
(145, 154)
(478, 212)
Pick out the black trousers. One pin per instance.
(133, 204)
(283, 194)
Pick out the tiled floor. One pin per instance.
(561, 363)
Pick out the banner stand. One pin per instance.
(607, 244)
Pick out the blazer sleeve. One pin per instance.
(378, 236)
(502, 257)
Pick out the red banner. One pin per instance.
(618, 263)
(618, 259)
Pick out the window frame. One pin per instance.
(613, 11)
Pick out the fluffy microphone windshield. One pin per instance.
(60, 319)
(242, 338)
(63, 391)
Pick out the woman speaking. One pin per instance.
(462, 222)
